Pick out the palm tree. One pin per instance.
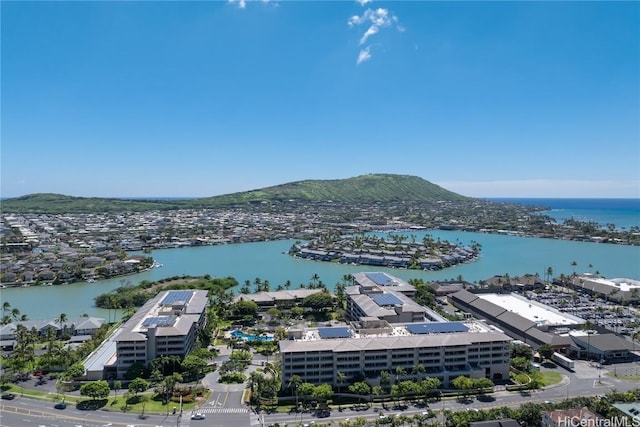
(60, 320)
(419, 370)
(347, 279)
(385, 379)
(586, 326)
(314, 280)
(341, 377)
(294, 383)
(400, 372)
(574, 264)
(549, 273)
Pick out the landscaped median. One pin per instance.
(143, 404)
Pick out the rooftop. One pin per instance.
(540, 314)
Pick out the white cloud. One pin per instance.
(544, 188)
(241, 3)
(355, 20)
(364, 55)
(363, 2)
(377, 19)
(371, 31)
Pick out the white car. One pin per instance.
(197, 416)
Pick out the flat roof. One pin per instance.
(379, 278)
(540, 314)
(386, 299)
(391, 342)
(334, 332)
(436, 327)
(620, 283)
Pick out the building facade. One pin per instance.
(318, 355)
(166, 325)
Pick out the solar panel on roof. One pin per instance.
(386, 299)
(378, 278)
(175, 296)
(159, 321)
(334, 332)
(436, 327)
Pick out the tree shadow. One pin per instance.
(91, 405)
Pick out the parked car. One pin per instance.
(197, 416)
(8, 396)
(60, 405)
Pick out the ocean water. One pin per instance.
(623, 213)
(267, 260)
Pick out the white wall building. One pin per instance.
(166, 325)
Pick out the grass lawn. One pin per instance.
(550, 378)
(111, 404)
(624, 377)
(149, 405)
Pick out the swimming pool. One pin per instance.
(241, 335)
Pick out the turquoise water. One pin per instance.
(623, 213)
(242, 335)
(266, 260)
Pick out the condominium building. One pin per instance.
(385, 297)
(166, 325)
(366, 348)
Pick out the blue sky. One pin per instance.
(489, 99)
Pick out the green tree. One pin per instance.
(385, 380)
(322, 392)
(135, 370)
(360, 388)
(400, 372)
(530, 413)
(297, 312)
(318, 301)
(521, 363)
(428, 385)
(342, 378)
(294, 385)
(545, 351)
(75, 371)
(95, 390)
(521, 350)
(549, 273)
(138, 385)
(193, 366)
(418, 371)
(462, 383)
(305, 389)
(482, 384)
(244, 308)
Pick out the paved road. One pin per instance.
(225, 407)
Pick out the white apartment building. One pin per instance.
(385, 297)
(445, 349)
(166, 325)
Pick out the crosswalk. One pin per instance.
(211, 410)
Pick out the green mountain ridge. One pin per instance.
(385, 188)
